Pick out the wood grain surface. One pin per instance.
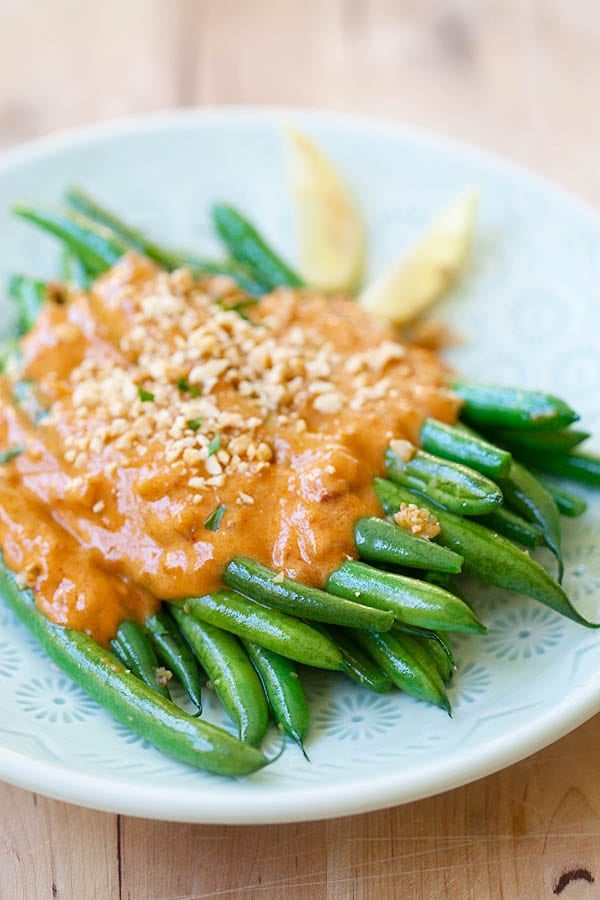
(520, 77)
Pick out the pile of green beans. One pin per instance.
(128, 698)
(383, 619)
(94, 239)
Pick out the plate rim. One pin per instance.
(74, 135)
(314, 802)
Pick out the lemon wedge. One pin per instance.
(433, 264)
(332, 241)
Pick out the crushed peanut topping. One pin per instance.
(28, 576)
(188, 423)
(404, 450)
(163, 676)
(417, 520)
(211, 402)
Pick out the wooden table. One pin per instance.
(518, 76)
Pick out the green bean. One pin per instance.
(429, 635)
(135, 651)
(512, 407)
(411, 601)
(488, 555)
(270, 628)
(560, 441)
(266, 586)
(73, 271)
(357, 664)
(514, 527)
(568, 504)
(230, 672)
(246, 245)
(530, 499)
(96, 246)
(29, 295)
(175, 653)
(128, 699)
(441, 579)
(441, 655)
(456, 487)
(168, 258)
(407, 664)
(458, 446)
(581, 467)
(526, 496)
(284, 691)
(85, 205)
(378, 540)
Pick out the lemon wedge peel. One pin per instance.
(331, 230)
(424, 273)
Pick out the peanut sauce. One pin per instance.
(169, 397)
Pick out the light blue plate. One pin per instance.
(529, 309)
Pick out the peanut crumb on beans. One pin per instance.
(417, 520)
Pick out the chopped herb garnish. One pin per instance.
(214, 520)
(184, 385)
(22, 390)
(215, 445)
(194, 424)
(145, 396)
(238, 308)
(24, 394)
(9, 353)
(9, 454)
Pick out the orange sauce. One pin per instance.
(107, 537)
